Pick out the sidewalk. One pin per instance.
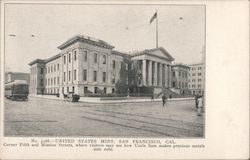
(99, 100)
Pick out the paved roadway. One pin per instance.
(44, 117)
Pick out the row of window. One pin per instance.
(193, 80)
(84, 76)
(194, 74)
(194, 68)
(96, 90)
(193, 86)
(180, 74)
(179, 85)
(197, 92)
(52, 81)
(52, 91)
(85, 57)
(52, 68)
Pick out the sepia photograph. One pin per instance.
(104, 70)
(116, 79)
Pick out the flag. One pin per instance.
(152, 19)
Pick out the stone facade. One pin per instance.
(90, 66)
(180, 79)
(196, 81)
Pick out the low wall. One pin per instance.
(111, 99)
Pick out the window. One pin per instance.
(75, 55)
(173, 73)
(140, 65)
(48, 82)
(104, 90)
(41, 70)
(64, 76)
(95, 57)
(85, 54)
(113, 64)
(58, 67)
(113, 90)
(132, 66)
(95, 90)
(75, 74)
(41, 82)
(67, 89)
(174, 84)
(84, 74)
(69, 75)
(73, 89)
(179, 84)
(104, 76)
(54, 68)
(64, 59)
(199, 74)
(127, 81)
(51, 81)
(54, 80)
(51, 69)
(95, 76)
(57, 80)
(179, 73)
(126, 66)
(85, 89)
(69, 57)
(113, 79)
(104, 59)
(48, 69)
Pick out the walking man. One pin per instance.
(200, 104)
(163, 100)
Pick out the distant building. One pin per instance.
(180, 78)
(12, 76)
(86, 65)
(196, 82)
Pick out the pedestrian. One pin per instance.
(152, 97)
(196, 102)
(163, 100)
(200, 105)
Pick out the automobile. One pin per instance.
(72, 97)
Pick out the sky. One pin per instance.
(126, 27)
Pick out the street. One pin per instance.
(44, 117)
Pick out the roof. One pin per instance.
(36, 61)
(120, 54)
(86, 39)
(180, 65)
(195, 64)
(52, 58)
(148, 51)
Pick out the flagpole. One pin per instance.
(156, 29)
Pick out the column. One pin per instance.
(160, 74)
(150, 73)
(144, 72)
(155, 74)
(169, 76)
(166, 75)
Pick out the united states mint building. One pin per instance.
(87, 66)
